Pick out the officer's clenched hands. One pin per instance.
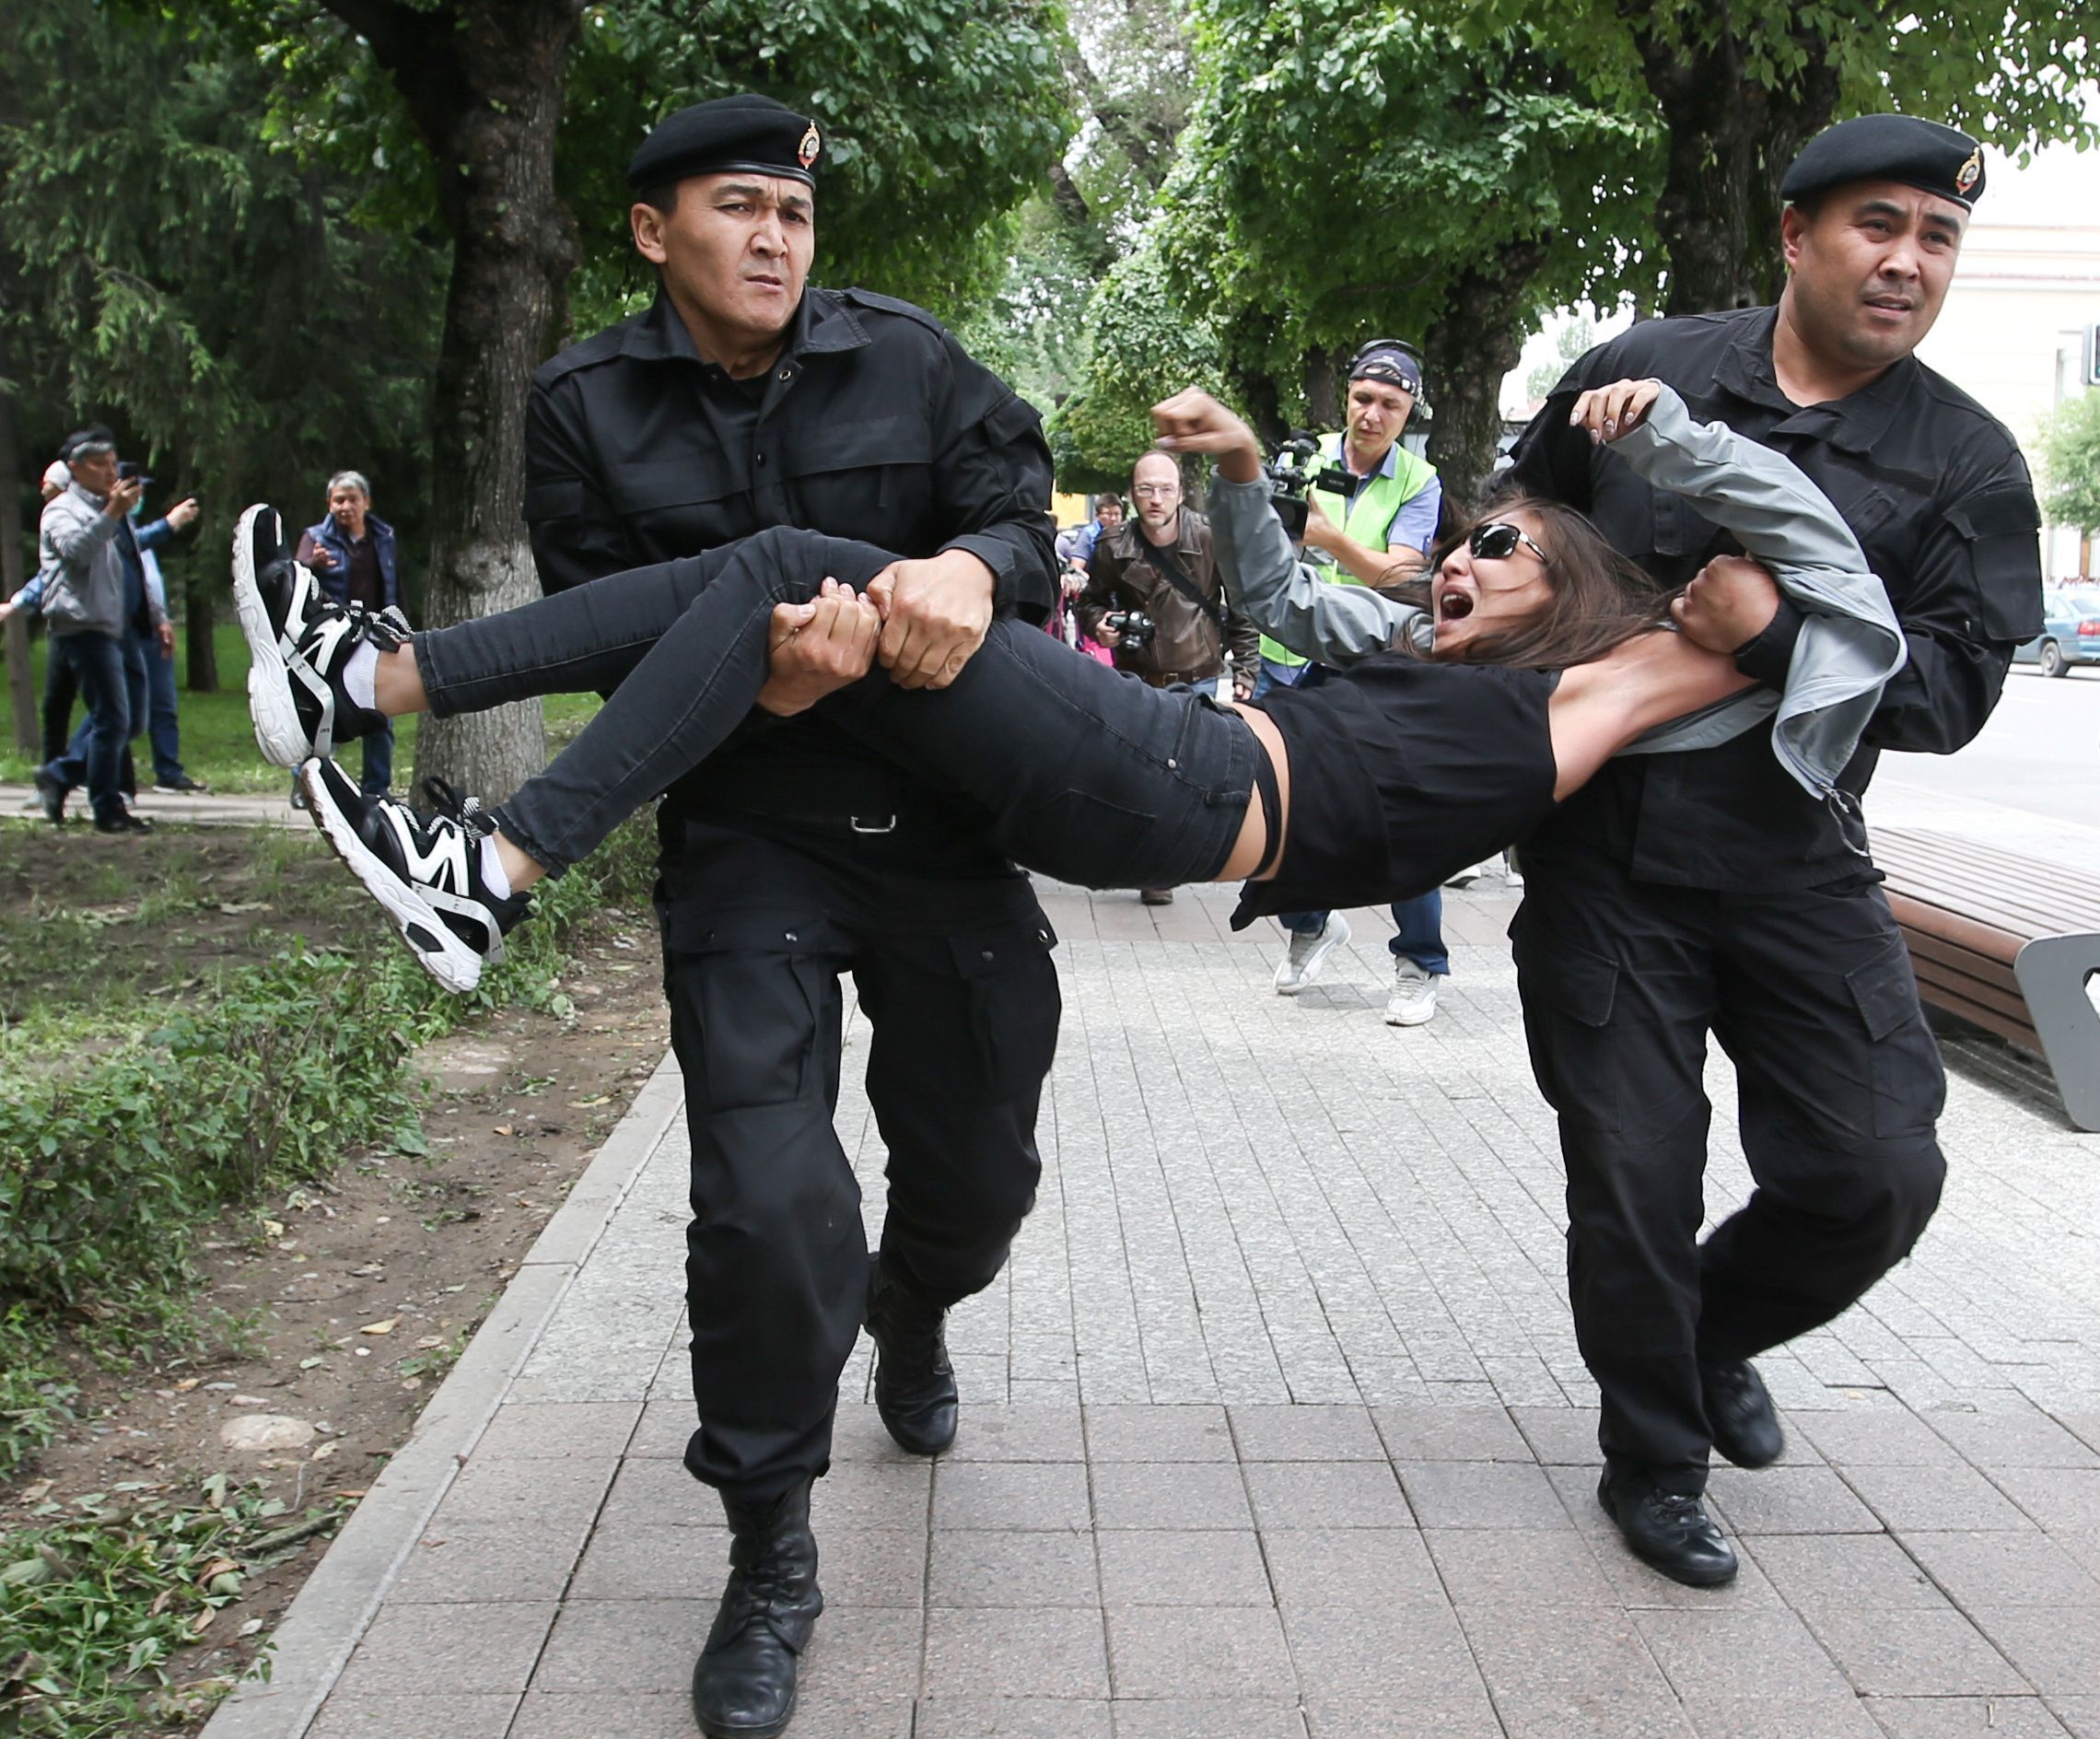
(816, 647)
(1608, 411)
(1729, 603)
(935, 614)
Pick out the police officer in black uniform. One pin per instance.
(1678, 896)
(743, 400)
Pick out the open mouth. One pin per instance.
(1453, 605)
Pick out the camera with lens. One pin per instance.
(1295, 472)
(1134, 628)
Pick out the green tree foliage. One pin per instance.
(2069, 450)
(164, 270)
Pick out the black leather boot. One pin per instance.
(915, 1385)
(1669, 1531)
(744, 1683)
(1740, 1414)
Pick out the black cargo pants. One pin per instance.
(1839, 1085)
(956, 980)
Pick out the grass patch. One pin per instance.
(100, 1595)
(218, 741)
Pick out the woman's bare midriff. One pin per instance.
(1252, 845)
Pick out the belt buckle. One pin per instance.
(886, 824)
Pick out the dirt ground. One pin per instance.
(352, 1298)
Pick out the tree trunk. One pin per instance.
(21, 680)
(483, 80)
(1476, 343)
(1730, 145)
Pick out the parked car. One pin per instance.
(2071, 632)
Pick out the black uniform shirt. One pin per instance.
(872, 424)
(1934, 488)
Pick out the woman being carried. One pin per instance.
(1531, 664)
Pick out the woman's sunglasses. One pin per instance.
(1498, 539)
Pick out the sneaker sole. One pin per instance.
(1313, 967)
(271, 708)
(1411, 1017)
(440, 952)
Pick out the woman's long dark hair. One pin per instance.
(1600, 599)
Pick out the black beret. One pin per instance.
(1925, 154)
(750, 132)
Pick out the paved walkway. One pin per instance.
(214, 809)
(1274, 1426)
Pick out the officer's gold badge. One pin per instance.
(1970, 173)
(807, 151)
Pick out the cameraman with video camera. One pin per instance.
(1153, 596)
(1370, 518)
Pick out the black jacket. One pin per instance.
(1934, 488)
(874, 423)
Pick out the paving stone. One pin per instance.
(980, 1651)
(485, 1560)
(1481, 1495)
(1524, 1567)
(1019, 1434)
(1788, 1500)
(555, 1490)
(1202, 1566)
(1451, 1433)
(483, 1717)
(1740, 1654)
(1876, 1437)
(1393, 1658)
(627, 1647)
(871, 1494)
(665, 1715)
(600, 1429)
(1349, 1566)
(2005, 1570)
(1007, 1718)
(1560, 1436)
(1158, 1434)
(1305, 1434)
(1205, 1651)
(858, 1434)
(1845, 1571)
(1170, 1495)
(1915, 1654)
(861, 1655)
(2059, 1499)
(628, 1562)
(1187, 1718)
(1965, 1718)
(1013, 1568)
(1839, 1716)
(1023, 1494)
(661, 1494)
(1527, 1654)
(2080, 1715)
(467, 1647)
(1648, 1713)
(1465, 1715)
(1937, 1499)
(2014, 1439)
(2057, 1653)
(1326, 1495)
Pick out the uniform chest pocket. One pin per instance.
(873, 443)
(2001, 528)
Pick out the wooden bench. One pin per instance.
(2007, 942)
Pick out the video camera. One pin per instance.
(1295, 472)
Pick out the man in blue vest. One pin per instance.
(1377, 533)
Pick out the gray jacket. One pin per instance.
(80, 565)
(1849, 645)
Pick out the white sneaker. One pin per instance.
(1414, 997)
(1301, 965)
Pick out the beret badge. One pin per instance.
(1970, 172)
(812, 143)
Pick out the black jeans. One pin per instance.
(1094, 777)
(1839, 1085)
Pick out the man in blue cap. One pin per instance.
(1680, 895)
(744, 397)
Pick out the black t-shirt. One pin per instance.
(1402, 773)
(1934, 488)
